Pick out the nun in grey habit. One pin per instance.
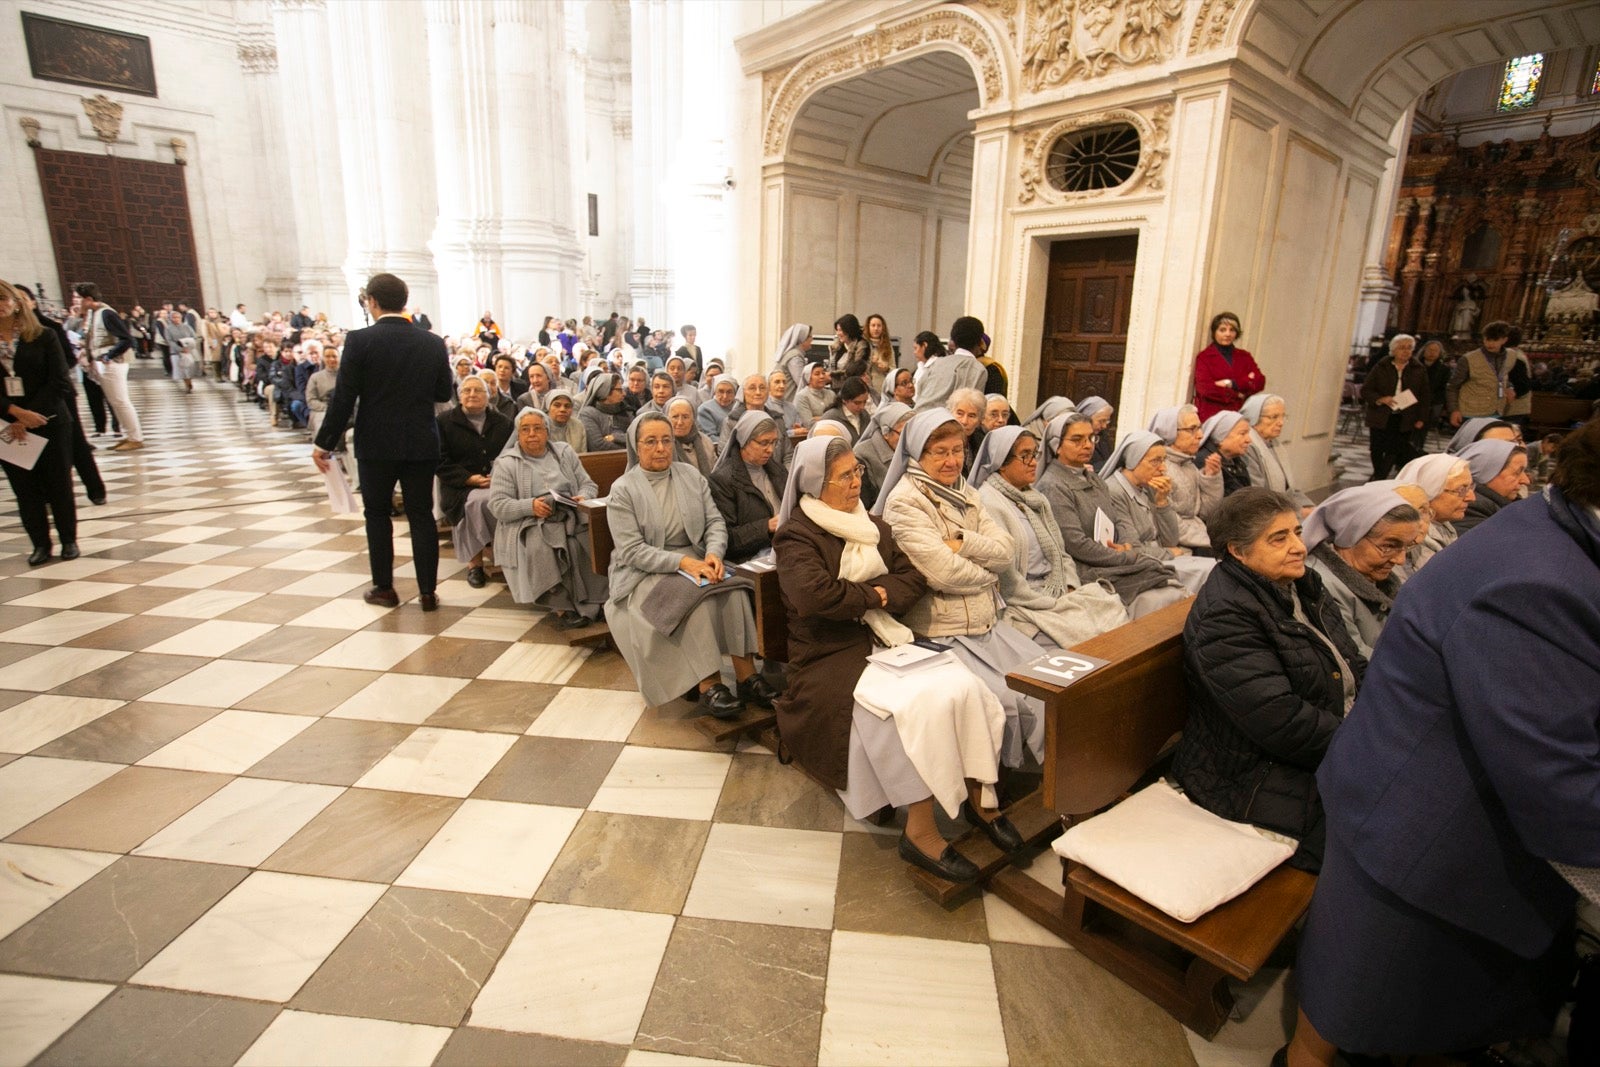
(1146, 519)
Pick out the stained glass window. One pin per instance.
(1520, 86)
(1594, 86)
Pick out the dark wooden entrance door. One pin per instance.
(1086, 318)
(123, 224)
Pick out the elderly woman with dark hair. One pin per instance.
(747, 485)
(1499, 474)
(664, 521)
(471, 436)
(541, 540)
(1447, 482)
(1355, 540)
(1271, 673)
(849, 343)
(604, 415)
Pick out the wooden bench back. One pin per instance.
(1553, 413)
(604, 467)
(1102, 734)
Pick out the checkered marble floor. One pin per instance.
(248, 818)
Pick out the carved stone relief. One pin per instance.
(105, 115)
(30, 130)
(1154, 147)
(1211, 25)
(1069, 40)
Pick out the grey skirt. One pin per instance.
(667, 667)
(475, 531)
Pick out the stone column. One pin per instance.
(1411, 273)
(657, 71)
(1383, 241)
(258, 58)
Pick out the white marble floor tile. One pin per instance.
(33, 877)
(35, 785)
(185, 535)
(762, 874)
(460, 594)
(327, 584)
(187, 517)
(342, 614)
(337, 1041)
(264, 939)
(495, 624)
(219, 684)
(192, 554)
(1008, 924)
(895, 1000)
(213, 637)
(666, 782)
(607, 961)
(229, 743)
(447, 763)
(56, 666)
(61, 627)
(69, 594)
(242, 823)
(527, 662)
(204, 604)
(492, 847)
(400, 698)
(80, 568)
(310, 559)
(276, 507)
(36, 1011)
(295, 539)
(91, 546)
(198, 576)
(41, 719)
(282, 523)
(98, 528)
(589, 715)
(374, 651)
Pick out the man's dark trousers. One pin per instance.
(415, 477)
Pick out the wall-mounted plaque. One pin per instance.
(72, 52)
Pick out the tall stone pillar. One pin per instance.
(657, 71)
(1378, 289)
(315, 171)
(258, 58)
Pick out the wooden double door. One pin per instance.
(1086, 308)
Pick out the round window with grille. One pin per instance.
(1101, 157)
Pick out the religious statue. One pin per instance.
(1466, 315)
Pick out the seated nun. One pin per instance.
(1354, 541)
(542, 545)
(876, 447)
(663, 521)
(781, 408)
(1099, 410)
(1499, 475)
(940, 524)
(713, 370)
(816, 397)
(662, 389)
(713, 412)
(1447, 482)
(1226, 435)
(689, 444)
(1196, 490)
(996, 412)
(1266, 414)
(1044, 596)
(1482, 428)
(604, 415)
(1080, 502)
(747, 485)
(923, 735)
(1046, 413)
(792, 355)
(1136, 474)
(471, 436)
(565, 426)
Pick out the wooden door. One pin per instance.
(123, 224)
(1086, 318)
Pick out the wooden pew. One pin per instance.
(1105, 736)
(1554, 413)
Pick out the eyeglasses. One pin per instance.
(1189, 429)
(1389, 547)
(1031, 456)
(1081, 438)
(851, 477)
(941, 454)
(1464, 492)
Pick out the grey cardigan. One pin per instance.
(638, 529)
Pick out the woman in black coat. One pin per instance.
(471, 435)
(1393, 425)
(747, 485)
(35, 397)
(1271, 672)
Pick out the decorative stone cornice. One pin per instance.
(258, 57)
(1071, 40)
(1211, 25)
(1154, 128)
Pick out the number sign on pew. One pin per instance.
(1061, 668)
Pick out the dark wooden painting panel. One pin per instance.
(78, 54)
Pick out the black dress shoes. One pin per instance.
(386, 598)
(429, 601)
(98, 500)
(758, 691)
(719, 703)
(573, 621)
(999, 830)
(70, 550)
(476, 578)
(38, 556)
(951, 865)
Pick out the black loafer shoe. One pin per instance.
(386, 598)
(1000, 831)
(719, 703)
(476, 578)
(98, 500)
(429, 601)
(38, 556)
(574, 621)
(70, 550)
(951, 865)
(757, 690)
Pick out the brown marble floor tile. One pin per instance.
(1058, 1006)
(131, 677)
(451, 657)
(471, 1047)
(495, 707)
(332, 751)
(114, 923)
(606, 669)
(672, 726)
(274, 609)
(20, 616)
(875, 895)
(138, 573)
(134, 550)
(128, 734)
(8, 697)
(134, 633)
(119, 813)
(7, 757)
(255, 581)
(136, 1027)
(739, 991)
(760, 791)
(365, 835)
(419, 956)
(238, 538)
(309, 690)
(413, 620)
(348, 542)
(289, 644)
(139, 598)
(359, 564)
(630, 862)
(548, 770)
(23, 585)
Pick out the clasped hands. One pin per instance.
(709, 569)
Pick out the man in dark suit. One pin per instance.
(397, 373)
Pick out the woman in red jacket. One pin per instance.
(1225, 376)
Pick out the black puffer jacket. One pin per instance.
(464, 452)
(743, 507)
(1264, 699)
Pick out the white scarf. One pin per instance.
(860, 561)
